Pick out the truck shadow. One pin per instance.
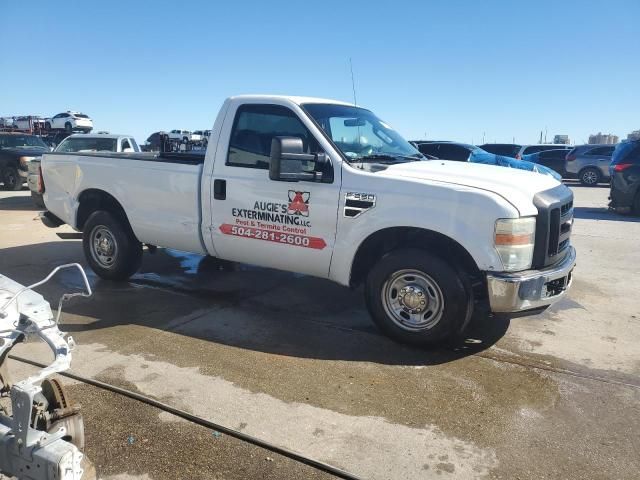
(11, 201)
(234, 305)
(602, 213)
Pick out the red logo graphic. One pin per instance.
(298, 203)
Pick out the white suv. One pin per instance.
(70, 121)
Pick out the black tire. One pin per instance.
(636, 204)
(11, 179)
(38, 200)
(47, 126)
(455, 309)
(590, 177)
(68, 128)
(117, 263)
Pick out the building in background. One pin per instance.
(603, 138)
(561, 139)
(635, 135)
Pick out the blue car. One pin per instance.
(463, 152)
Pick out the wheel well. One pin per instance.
(92, 200)
(384, 241)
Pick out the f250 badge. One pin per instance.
(356, 203)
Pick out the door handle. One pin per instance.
(219, 189)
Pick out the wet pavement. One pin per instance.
(296, 361)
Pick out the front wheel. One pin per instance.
(110, 247)
(590, 177)
(417, 298)
(67, 127)
(11, 179)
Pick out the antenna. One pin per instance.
(353, 83)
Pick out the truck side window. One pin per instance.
(253, 129)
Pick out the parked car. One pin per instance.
(463, 152)
(589, 163)
(29, 122)
(98, 143)
(196, 137)
(180, 135)
(327, 189)
(505, 149)
(70, 121)
(518, 151)
(625, 177)
(84, 143)
(553, 159)
(16, 151)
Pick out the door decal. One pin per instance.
(286, 223)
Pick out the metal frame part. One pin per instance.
(27, 449)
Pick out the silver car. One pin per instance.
(589, 163)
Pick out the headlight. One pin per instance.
(514, 241)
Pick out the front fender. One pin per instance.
(463, 214)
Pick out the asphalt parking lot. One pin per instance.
(296, 361)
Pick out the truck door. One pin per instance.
(284, 225)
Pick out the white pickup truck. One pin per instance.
(326, 188)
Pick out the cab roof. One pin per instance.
(98, 135)
(292, 98)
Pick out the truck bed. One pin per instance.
(187, 158)
(160, 193)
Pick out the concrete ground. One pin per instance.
(296, 361)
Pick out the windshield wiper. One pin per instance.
(377, 157)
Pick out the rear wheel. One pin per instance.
(11, 179)
(110, 246)
(590, 177)
(417, 298)
(636, 204)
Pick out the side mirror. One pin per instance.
(289, 163)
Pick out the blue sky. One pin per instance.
(445, 69)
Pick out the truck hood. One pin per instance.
(25, 151)
(516, 186)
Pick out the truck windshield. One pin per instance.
(77, 144)
(360, 135)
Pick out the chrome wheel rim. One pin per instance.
(590, 177)
(104, 248)
(413, 300)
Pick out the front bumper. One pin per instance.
(531, 289)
